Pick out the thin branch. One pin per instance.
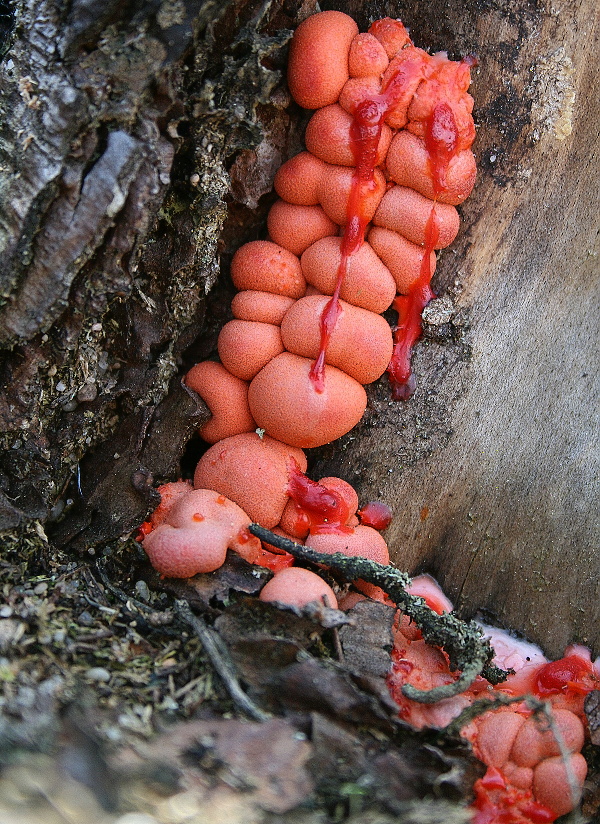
(154, 617)
(432, 696)
(221, 660)
(468, 651)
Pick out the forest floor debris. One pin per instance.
(112, 713)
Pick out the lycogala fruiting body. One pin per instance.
(360, 215)
(535, 769)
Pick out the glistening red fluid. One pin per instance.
(572, 673)
(365, 135)
(409, 308)
(375, 514)
(318, 508)
(442, 141)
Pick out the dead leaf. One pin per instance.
(266, 761)
(311, 685)
(207, 591)
(367, 641)
(383, 771)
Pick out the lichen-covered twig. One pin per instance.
(463, 682)
(468, 651)
(219, 658)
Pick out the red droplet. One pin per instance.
(275, 560)
(143, 530)
(493, 779)
(566, 673)
(325, 509)
(375, 514)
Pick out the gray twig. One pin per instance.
(221, 660)
(153, 616)
(468, 651)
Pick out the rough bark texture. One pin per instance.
(119, 123)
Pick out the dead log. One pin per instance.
(119, 124)
(493, 467)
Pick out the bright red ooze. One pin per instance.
(572, 673)
(320, 509)
(365, 133)
(443, 142)
(409, 308)
(375, 514)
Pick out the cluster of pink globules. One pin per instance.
(533, 774)
(360, 215)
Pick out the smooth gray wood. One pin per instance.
(492, 468)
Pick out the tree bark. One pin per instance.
(120, 121)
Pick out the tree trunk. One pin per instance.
(492, 467)
(119, 123)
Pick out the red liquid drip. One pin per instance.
(274, 560)
(375, 514)
(323, 510)
(365, 134)
(409, 308)
(327, 325)
(570, 673)
(441, 140)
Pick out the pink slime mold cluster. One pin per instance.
(360, 215)
(535, 772)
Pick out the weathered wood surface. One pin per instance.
(118, 126)
(493, 468)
